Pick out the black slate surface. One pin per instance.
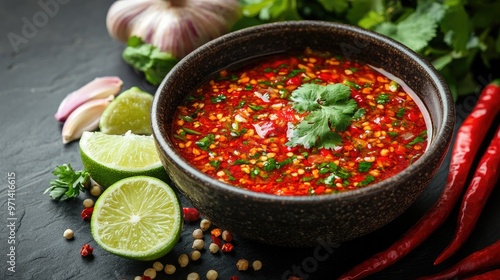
(48, 50)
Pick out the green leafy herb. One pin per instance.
(148, 59)
(218, 99)
(359, 114)
(330, 110)
(255, 107)
(205, 142)
(69, 183)
(364, 166)
(383, 98)
(215, 163)
(401, 112)
(368, 179)
(190, 131)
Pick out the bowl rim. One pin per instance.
(441, 135)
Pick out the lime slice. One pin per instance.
(109, 158)
(138, 218)
(131, 110)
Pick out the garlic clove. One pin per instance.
(100, 87)
(84, 118)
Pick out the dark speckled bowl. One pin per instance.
(304, 221)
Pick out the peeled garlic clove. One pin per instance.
(100, 87)
(84, 118)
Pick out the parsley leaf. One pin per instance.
(68, 184)
(330, 110)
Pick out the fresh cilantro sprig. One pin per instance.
(331, 110)
(148, 59)
(69, 183)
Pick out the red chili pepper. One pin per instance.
(87, 213)
(467, 142)
(86, 250)
(478, 261)
(191, 214)
(227, 247)
(489, 275)
(233, 278)
(483, 182)
(216, 240)
(144, 277)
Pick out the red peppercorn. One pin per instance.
(233, 278)
(144, 277)
(191, 214)
(87, 213)
(227, 247)
(86, 250)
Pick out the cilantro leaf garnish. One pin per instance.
(330, 108)
(68, 184)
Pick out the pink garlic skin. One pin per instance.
(84, 118)
(100, 87)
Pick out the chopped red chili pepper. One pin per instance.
(489, 275)
(216, 232)
(86, 250)
(233, 278)
(227, 247)
(216, 240)
(87, 213)
(191, 214)
(144, 277)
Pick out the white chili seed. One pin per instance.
(212, 274)
(87, 203)
(198, 244)
(193, 276)
(198, 233)
(195, 255)
(257, 265)
(183, 260)
(242, 265)
(150, 272)
(170, 269)
(158, 266)
(95, 190)
(214, 248)
(205, 224)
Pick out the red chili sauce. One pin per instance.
(236, 127)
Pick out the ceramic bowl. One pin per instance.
(309, 220)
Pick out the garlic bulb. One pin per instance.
(174, 26)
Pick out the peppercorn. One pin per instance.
(183, 260)
(170, 269)
(198, 244)
(198, 233)
(95, 190)
(191, 214)
(87, 213)
(195, 255)
(227, 236)
(256, 265)
(242, 265)
(205, 224)
(87, 203)
(214, 248)
(193, 276)
(150, 272)
(158, 266)
(212, 274)
(68, 234)
(86, 250)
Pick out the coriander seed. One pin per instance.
(212, 274)
(87, 203)
(256, 265)
(170, 269)
(198, 233)
(214, 248)
(183, 260)
(195, 255)
(150, 272)
(68, 234)
(205, 224)
(95, 190)
(242, 265)
(198, 244)
(193, 276)
(158, 266)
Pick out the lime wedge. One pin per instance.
(131, 110)
(138, 218)
(109, 158)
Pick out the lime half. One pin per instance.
(131, 110)
(109, 158)
(138, 218)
